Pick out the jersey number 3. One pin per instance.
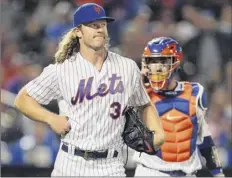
(115, 110)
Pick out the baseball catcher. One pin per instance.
(182, 108)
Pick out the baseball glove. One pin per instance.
(136, 135)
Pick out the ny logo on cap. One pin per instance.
(97, 9)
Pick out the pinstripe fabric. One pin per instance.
(94, 101)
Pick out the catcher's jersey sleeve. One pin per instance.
(204, 130)
(139, 96)
(44, 88)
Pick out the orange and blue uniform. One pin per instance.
(178, 116)
(182, 113)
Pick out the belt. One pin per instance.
(178, 173)
(89, 154)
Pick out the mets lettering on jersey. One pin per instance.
(84, 90)
(94, 99)
(94, 102)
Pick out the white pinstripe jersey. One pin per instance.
(93, 100)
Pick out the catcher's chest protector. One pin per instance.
(178, 116)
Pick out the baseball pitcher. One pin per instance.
(95, 86)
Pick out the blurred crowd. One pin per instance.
(31, 30)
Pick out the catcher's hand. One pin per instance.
(136, 135)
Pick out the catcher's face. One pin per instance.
(159, 70)
(94, 35)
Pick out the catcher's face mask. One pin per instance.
(159, 71)
(162, 56)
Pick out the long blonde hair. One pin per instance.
(67, 46)
(70, 44)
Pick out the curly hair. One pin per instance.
(67, 46)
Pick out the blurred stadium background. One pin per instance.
(31, 29)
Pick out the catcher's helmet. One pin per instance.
(162, 56)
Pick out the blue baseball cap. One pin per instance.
(89, 12)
